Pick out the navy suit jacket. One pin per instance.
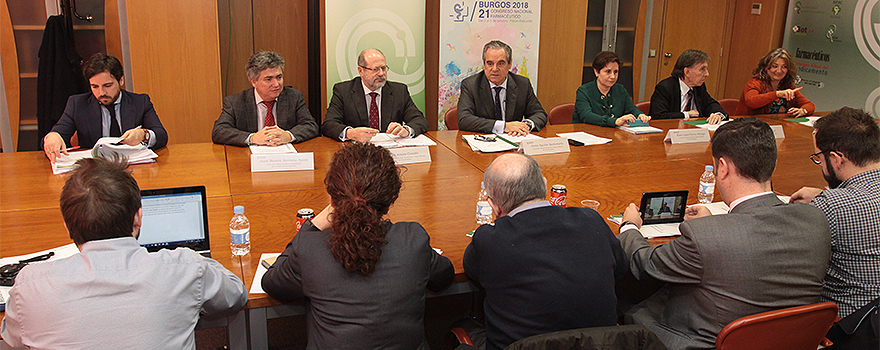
(238, 119)
(476, 105)
(348, 107)
(666, 101)
(82, 115)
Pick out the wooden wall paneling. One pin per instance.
(638, 50)
(9, 57)
(432, 62)
(112, 33)
(175, 57)
(236, 23)
(653, 76)
(758, 34)
(561, 60)
(282, 26)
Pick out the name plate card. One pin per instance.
(677, 136)
(410, 155)
(545, 146)
(777, 131)
(282, 162)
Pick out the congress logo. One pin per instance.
(865, 33)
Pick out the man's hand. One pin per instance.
(797, 112)
(361, 134)
(53, 146)
(805, 195)
(693, 113)
(516, 128)
(397, 130)
(632, 214)
(133, 137)
(715, 118)
(788, 94)
(696, 212)
(271, 136)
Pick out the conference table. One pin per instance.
(439, 194)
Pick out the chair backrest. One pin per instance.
(729, 105)
(451, 118)
(635, 337)
(644, 106)
(794, 328)
(561, 114)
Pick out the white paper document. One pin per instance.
(640, 129)
(257, 286)
(502, 142)
(60, 253)
(810, 121)
(262, 149)
(587, 139)
(712, 127)
(393, 141)
(137, 154)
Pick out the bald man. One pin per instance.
(369, 104)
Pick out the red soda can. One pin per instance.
(558, 193)
(302, 215)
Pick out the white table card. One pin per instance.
(282, 162)
(410, 155)
(677, 136)
(545, 146)
(777, 131)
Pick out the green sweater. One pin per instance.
(594, 108)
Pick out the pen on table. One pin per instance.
(71, 148)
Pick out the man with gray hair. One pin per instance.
(684, 94)
(269, 113)
(544, 268)
(496, 101)
(369, 104)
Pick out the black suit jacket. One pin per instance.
(476, 105)
(238, 119)
(348, 107)
(82, 115)
(666, 100)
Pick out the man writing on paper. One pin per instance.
(269, 114)
(846, 143)
(684, 94)
(496, 101)
(763, 255)
(544, 268)
(369, 104)
(113, 294)
(107, 111)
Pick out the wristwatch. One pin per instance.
(146, 137)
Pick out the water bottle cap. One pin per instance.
(238, 209)
(482, 184)
(709, 168)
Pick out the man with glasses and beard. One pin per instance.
(369, 104)
(847, 146)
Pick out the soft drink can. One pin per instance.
(558, 193)
(302, 215)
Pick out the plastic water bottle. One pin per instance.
(239, 232)
(707, 186)
(484, 211)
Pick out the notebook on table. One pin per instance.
(175, 217)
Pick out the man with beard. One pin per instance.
(847, 146)
(106, 111)
(369, 104)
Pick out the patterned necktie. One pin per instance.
(374, 111)
(270, 119)
(114, 125)
(498, 103)
(690, 100)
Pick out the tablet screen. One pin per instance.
(663, 207)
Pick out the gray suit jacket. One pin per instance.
(763, 255)
(238, 119)
(476, 104)
(348, 107)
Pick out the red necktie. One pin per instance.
(374, 112)
(270, 119)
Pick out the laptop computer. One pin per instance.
(175, 217)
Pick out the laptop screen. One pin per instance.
(174, 217)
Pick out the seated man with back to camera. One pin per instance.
(763, 255)
(544, 268)
(684, 94)
(113, 294)
(107, 111)
(268, 114)
(369, 104)
(497, 101)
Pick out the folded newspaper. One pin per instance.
(104, 147)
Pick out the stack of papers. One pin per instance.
(106, 146)
(587, 139)
(260, 149)
(639, 129)
(502, 142)
(393, 141)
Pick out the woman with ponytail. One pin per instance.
(365, 278)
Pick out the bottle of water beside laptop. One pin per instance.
(239, 232)
(484, 211)
(707, 186)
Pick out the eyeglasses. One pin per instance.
(815, 158)
(377, 69)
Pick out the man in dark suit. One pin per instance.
(763, 255)
(106, 111)
(268, 114)
(364, 106)
(495, 101)
(684, 95)
(544, 268)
